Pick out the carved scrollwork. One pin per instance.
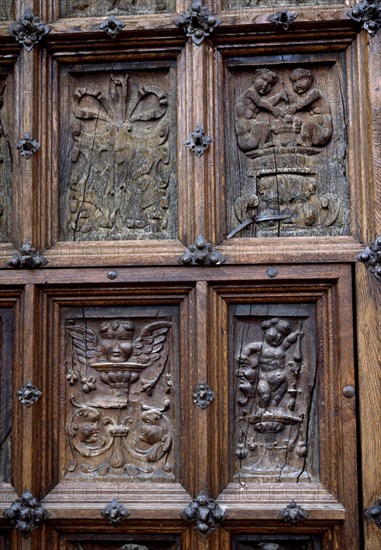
(198, 141)
(203, 395)
(139, 442)
(28, 146)
(29, 394)
(205, 514)
(115, 513)
(28, 258)
(201, 253)
(198, 22)
(293, 514)
(28, 30)
(371, 257)
(283, 19)
(112, 26)
(26, 514)
(368, 15)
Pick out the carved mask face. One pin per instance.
(115, 341)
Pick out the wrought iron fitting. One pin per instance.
(112, 26)
(28, 30)
(201, 253)
(198, 141)
(368, 15)
(28, 146)
(28, 257)
(26, 513)
(371, 257)
(198, 22)
(373, 513)
(203, 395)
(282, 19)
(293, 514)
(115, 513)
(205, 514)
(29, 394)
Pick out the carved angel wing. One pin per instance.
(148, 345)
(84, 342)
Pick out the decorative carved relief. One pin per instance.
(291, 150)
(205, 514)
(201, 253)
(28, 258)
(368, 15)
(6, 352)
(120, 421)
(7, 10)
(141, 542)
(26, 514)
(371, 257)
(198, 22)
(28, 146)
(6, 139)
(203, 395)
(242, 4)
(115, 513)
(89, 8)
(198, 141)
(275, 406)
(118, 164)
(293, 514)
(28, 30)
(283, 19)
(112, 26)
(277, 542)
(29, 394)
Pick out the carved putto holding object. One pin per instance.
(131, 436)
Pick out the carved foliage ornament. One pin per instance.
(283, 19)
(29, 394)
(198, 141)
(26, 513)
(368, 15)
(201, 253)
(28, 257)
(115, 513)
(28, 30)
(373, 513)
(28, 146)
(112, 26)
(371, 257)
(293, 514)
(205, 514)
(198, 22)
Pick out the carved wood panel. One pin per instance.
(286, 147)
(117, 153)
(6, 342)
(268, 542)
(6, 147)
(6, 9)
(273, 372)
(124, 542)
(88, 8)
(121, 414)
(242, 5)
(4, 542)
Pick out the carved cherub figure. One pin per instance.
(251, 133)
(265, 362)
(318, 129)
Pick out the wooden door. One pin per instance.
(189, 350)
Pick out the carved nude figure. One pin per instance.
(318, 129)
(267, 360)
(254, 133)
